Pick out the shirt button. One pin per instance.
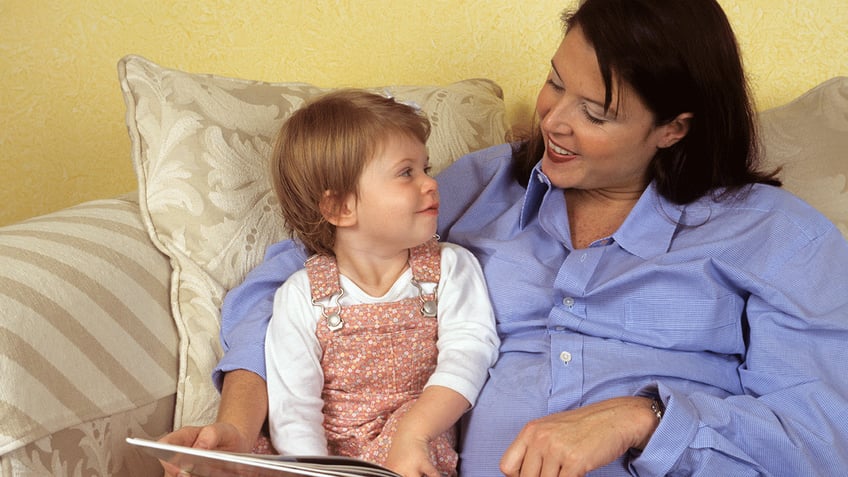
(565, 357)
(568, 301)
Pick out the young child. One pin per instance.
(379, 346)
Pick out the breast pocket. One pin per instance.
(696, 324)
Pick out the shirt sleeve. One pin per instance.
(295, 378)
(468, 341)
(790, 415)
(475, 178)
(247, 309)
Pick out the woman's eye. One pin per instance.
(555, 86)
(592, 119)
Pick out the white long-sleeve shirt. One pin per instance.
(467, 343)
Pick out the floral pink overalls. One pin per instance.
(377, 361)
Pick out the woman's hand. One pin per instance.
(572, 443)
(243, 408)
(219, 436)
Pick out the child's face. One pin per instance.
(398, 203)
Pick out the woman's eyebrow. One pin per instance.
(610, 111)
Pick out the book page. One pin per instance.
(206, 463)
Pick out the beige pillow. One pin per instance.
(200, 147)
(809, 138)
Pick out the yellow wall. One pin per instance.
(62, 133)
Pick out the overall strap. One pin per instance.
(425, 261)
(323, 272)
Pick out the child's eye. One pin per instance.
(427, 170)
(406, 172)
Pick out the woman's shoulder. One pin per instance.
(781, 202)
(762, 205)
(481, 163)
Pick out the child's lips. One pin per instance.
(433, 209)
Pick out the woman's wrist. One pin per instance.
(650, 412)
(243, 407)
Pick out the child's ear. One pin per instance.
(337, 210)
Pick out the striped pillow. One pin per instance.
(87, 332)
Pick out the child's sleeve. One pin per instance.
(468, 340)
(295, 378)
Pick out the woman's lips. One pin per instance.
(558, 153)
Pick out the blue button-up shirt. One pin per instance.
(734, 313)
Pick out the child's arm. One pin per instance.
(436, 410)
(295, 377)
(468, 339)
(468, 346)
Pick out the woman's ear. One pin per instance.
(675, 130)
(337, 210)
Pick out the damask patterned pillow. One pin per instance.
(200, 148)
(808, 137)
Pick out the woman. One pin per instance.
(663, 307)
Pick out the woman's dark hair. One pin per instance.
(678, 56)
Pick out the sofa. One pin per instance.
(111, 308)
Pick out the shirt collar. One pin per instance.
(649, 228)
(537, 186)
(646, 232)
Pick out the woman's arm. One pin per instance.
(786, 415)
(241, 413)
(571, 443)
(248, 307)
(790, 416)
(240, 375)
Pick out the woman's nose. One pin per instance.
(558, 118)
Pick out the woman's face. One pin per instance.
(586, 148)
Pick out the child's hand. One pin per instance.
(409, 456)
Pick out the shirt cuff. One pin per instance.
(240, 357)
(672, 437)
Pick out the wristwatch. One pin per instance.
(658, 408)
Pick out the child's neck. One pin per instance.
(370, 270)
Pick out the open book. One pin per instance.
(207, 463)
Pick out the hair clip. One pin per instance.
(412, 104)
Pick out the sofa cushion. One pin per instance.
(86, 331)
(200, 148)
(808, 137)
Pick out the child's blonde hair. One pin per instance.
(323, 148)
